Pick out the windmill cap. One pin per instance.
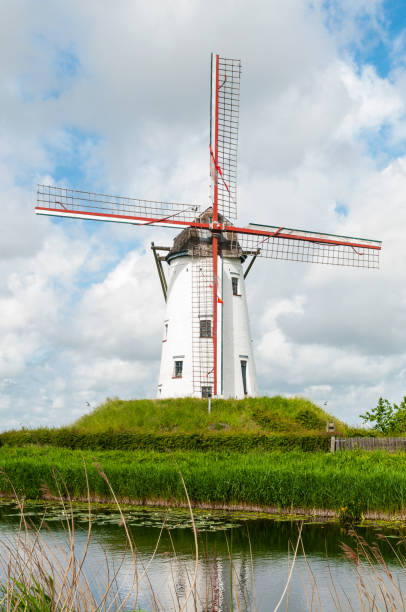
(197, 242)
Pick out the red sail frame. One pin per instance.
(259, 240)
(264, 241)
(215, 222)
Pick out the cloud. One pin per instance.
(114, 98)
(120, 316)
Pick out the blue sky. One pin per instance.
(115, 99)
(381, 43)
(377, 47)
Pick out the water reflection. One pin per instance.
(243, 561)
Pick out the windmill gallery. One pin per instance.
(207, 347)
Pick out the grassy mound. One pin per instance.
(189, 415)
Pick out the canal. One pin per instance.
(244, 560)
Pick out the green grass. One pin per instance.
(266, 423)
(370, 480)
(188, 415)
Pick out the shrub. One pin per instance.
(216, 441)
(351, 513)
(267, 419)
(309, 420)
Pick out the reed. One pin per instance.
(42, 573)
(370, 481)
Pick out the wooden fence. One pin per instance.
(388, 444)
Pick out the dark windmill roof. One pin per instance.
(198, 242)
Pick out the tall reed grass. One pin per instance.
(45, 574)
(370, 481)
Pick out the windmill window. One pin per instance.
(234, 281)
(244, 375)
(205, 328)
(178, 369)
(206, 391)
(165, 333)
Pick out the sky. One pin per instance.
(114, 98)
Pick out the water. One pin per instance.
(244, 561)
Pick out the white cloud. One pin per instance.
(120, 316)
(375, 101)
(115, 97)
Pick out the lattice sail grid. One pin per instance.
(308, 251)
(228, 119)
(202, 325)
(71, 200)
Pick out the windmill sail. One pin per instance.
(224, 119)
(274, 242)
(209, 330)
(64, 202)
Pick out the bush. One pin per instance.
(266, 419)
(351, 513)
(216, 441)
(309, 420)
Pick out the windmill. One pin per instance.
(206, 345)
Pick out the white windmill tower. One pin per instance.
(187, 347)
(207, 347)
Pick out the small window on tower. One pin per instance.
(178, 369)
(234, 280)
(206, 391)
(205, 328)
(244, 375)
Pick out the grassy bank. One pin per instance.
(188, 415)
(373, 481)
(267, 423)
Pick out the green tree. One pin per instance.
(387, 418)
(399, 416)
